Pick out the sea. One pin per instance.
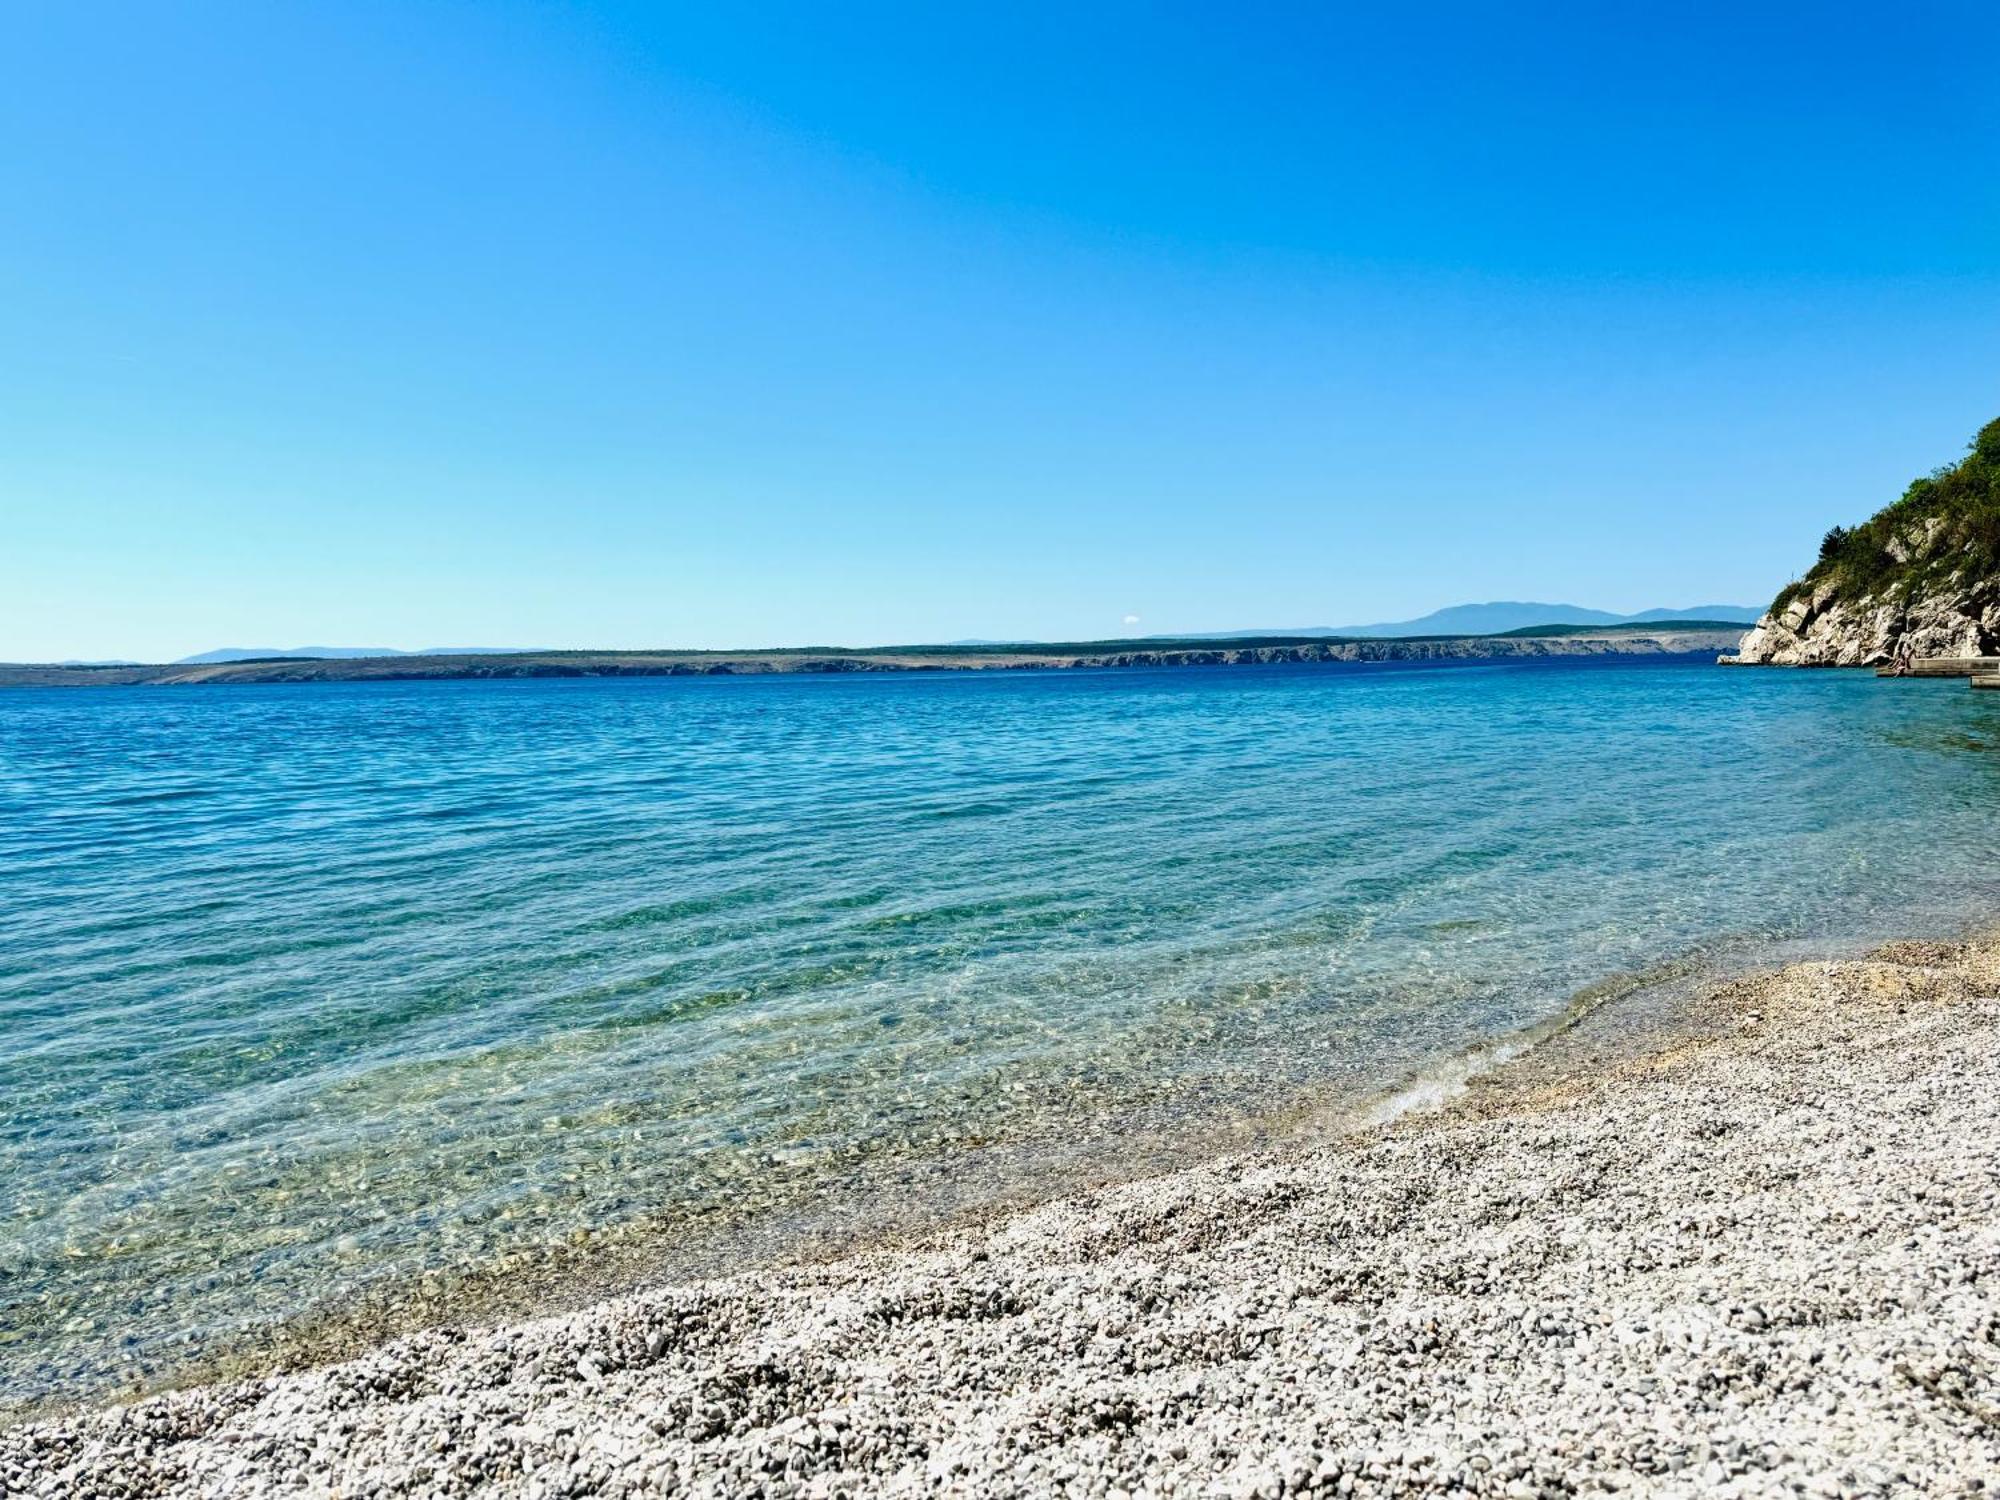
(332, 1009)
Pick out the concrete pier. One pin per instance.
(1946, 666)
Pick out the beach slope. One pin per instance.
(1757, 1252)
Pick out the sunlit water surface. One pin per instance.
(311, 995)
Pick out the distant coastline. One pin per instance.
(1661, 638)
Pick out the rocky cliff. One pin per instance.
(1921, 577)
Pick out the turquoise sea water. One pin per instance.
(315, 993)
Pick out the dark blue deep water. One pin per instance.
(311, 989)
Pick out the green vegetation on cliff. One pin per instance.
(1946, 527)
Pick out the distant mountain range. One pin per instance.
(338, 653)
(1506, 614)
(1496, 618)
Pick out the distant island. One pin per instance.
(1665, 637)
(1919, 578)
(1495, 618)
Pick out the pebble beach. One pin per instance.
(1755, 1253)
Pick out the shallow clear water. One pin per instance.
(311, 989)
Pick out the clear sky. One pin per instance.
(593, 324)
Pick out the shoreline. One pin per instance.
(1776, 1205)
(898, 1200)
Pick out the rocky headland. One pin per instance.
(1752, 1250)
(1920, 578)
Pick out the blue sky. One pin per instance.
(424, 324)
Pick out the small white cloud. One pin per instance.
(1131, 619)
